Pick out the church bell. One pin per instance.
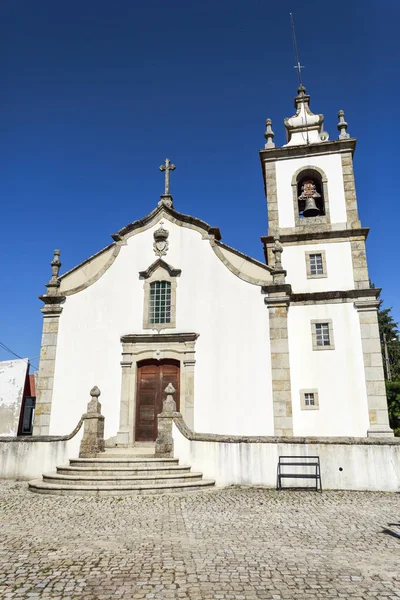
(308, 195)
(311, 209)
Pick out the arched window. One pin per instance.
(160, 302)
(310, 194)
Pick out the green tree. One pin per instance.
(389, 336)
(390, 348)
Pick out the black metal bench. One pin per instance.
(299, 461)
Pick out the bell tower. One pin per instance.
(323, 274)
(310, 189)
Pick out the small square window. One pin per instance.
(309, 399)
(316, 264)
(322, 334)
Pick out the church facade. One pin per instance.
(289, 347)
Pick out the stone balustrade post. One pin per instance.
(93, 434)
(164, 442)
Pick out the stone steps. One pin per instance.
(101, 480)
(120, 476)
(41, 487)
(122, 462)
(120, 471)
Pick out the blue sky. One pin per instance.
(95, 94)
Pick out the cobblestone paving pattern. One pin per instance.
(239, 544)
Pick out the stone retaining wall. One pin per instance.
(30, 457)
(346, 463)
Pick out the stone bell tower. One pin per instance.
(312, 212)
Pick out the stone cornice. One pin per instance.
(160, 263)
(287, 152)
(274, 288)
(367, 305)
(52, 303)
(242, 439)
(273, 301)
(143, 338)
(212, 231)
(333, 296)
(305, 236)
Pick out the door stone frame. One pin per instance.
(143, 346)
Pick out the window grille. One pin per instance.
(160, 302)
(316, 264)
(322, 334)
(309, 399)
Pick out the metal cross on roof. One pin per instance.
(167, 167)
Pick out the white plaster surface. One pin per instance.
(30, 459)
(12, 383)
(90, 269)
(332, 166)
(339, 267)
(364, 467)
(337, 374)
(233, 392)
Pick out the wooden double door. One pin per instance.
(152, 378)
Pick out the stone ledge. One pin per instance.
(243, 439)
(136, 338)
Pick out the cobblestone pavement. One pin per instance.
(239, 544)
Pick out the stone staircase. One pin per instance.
(117, 473)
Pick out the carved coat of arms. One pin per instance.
(160, 245)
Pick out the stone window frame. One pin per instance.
(308, 264)
(311, 171)
(314, 334)
(158, 346)
(303, 404)
(159, 271)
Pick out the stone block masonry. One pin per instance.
(373, 368)
(280, 368)
(44, 386)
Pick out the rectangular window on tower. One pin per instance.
(316, 264)
(309, 399)
(322, 334)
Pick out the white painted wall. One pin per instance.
(12, 383)
(29, 459)
(332, 166)
(364, 467)
(339, 267)
(337, 374)
(232, 372)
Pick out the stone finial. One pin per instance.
(342, 126)
(170, 389)
(269, 134)
(93, 433)
(169, 404)
(95, 392)
(278, 274)
(277, 251)
(94, 405)
(165, 442)
(54, 284)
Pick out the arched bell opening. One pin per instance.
(310, 194)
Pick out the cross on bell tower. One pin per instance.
(166, 198)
